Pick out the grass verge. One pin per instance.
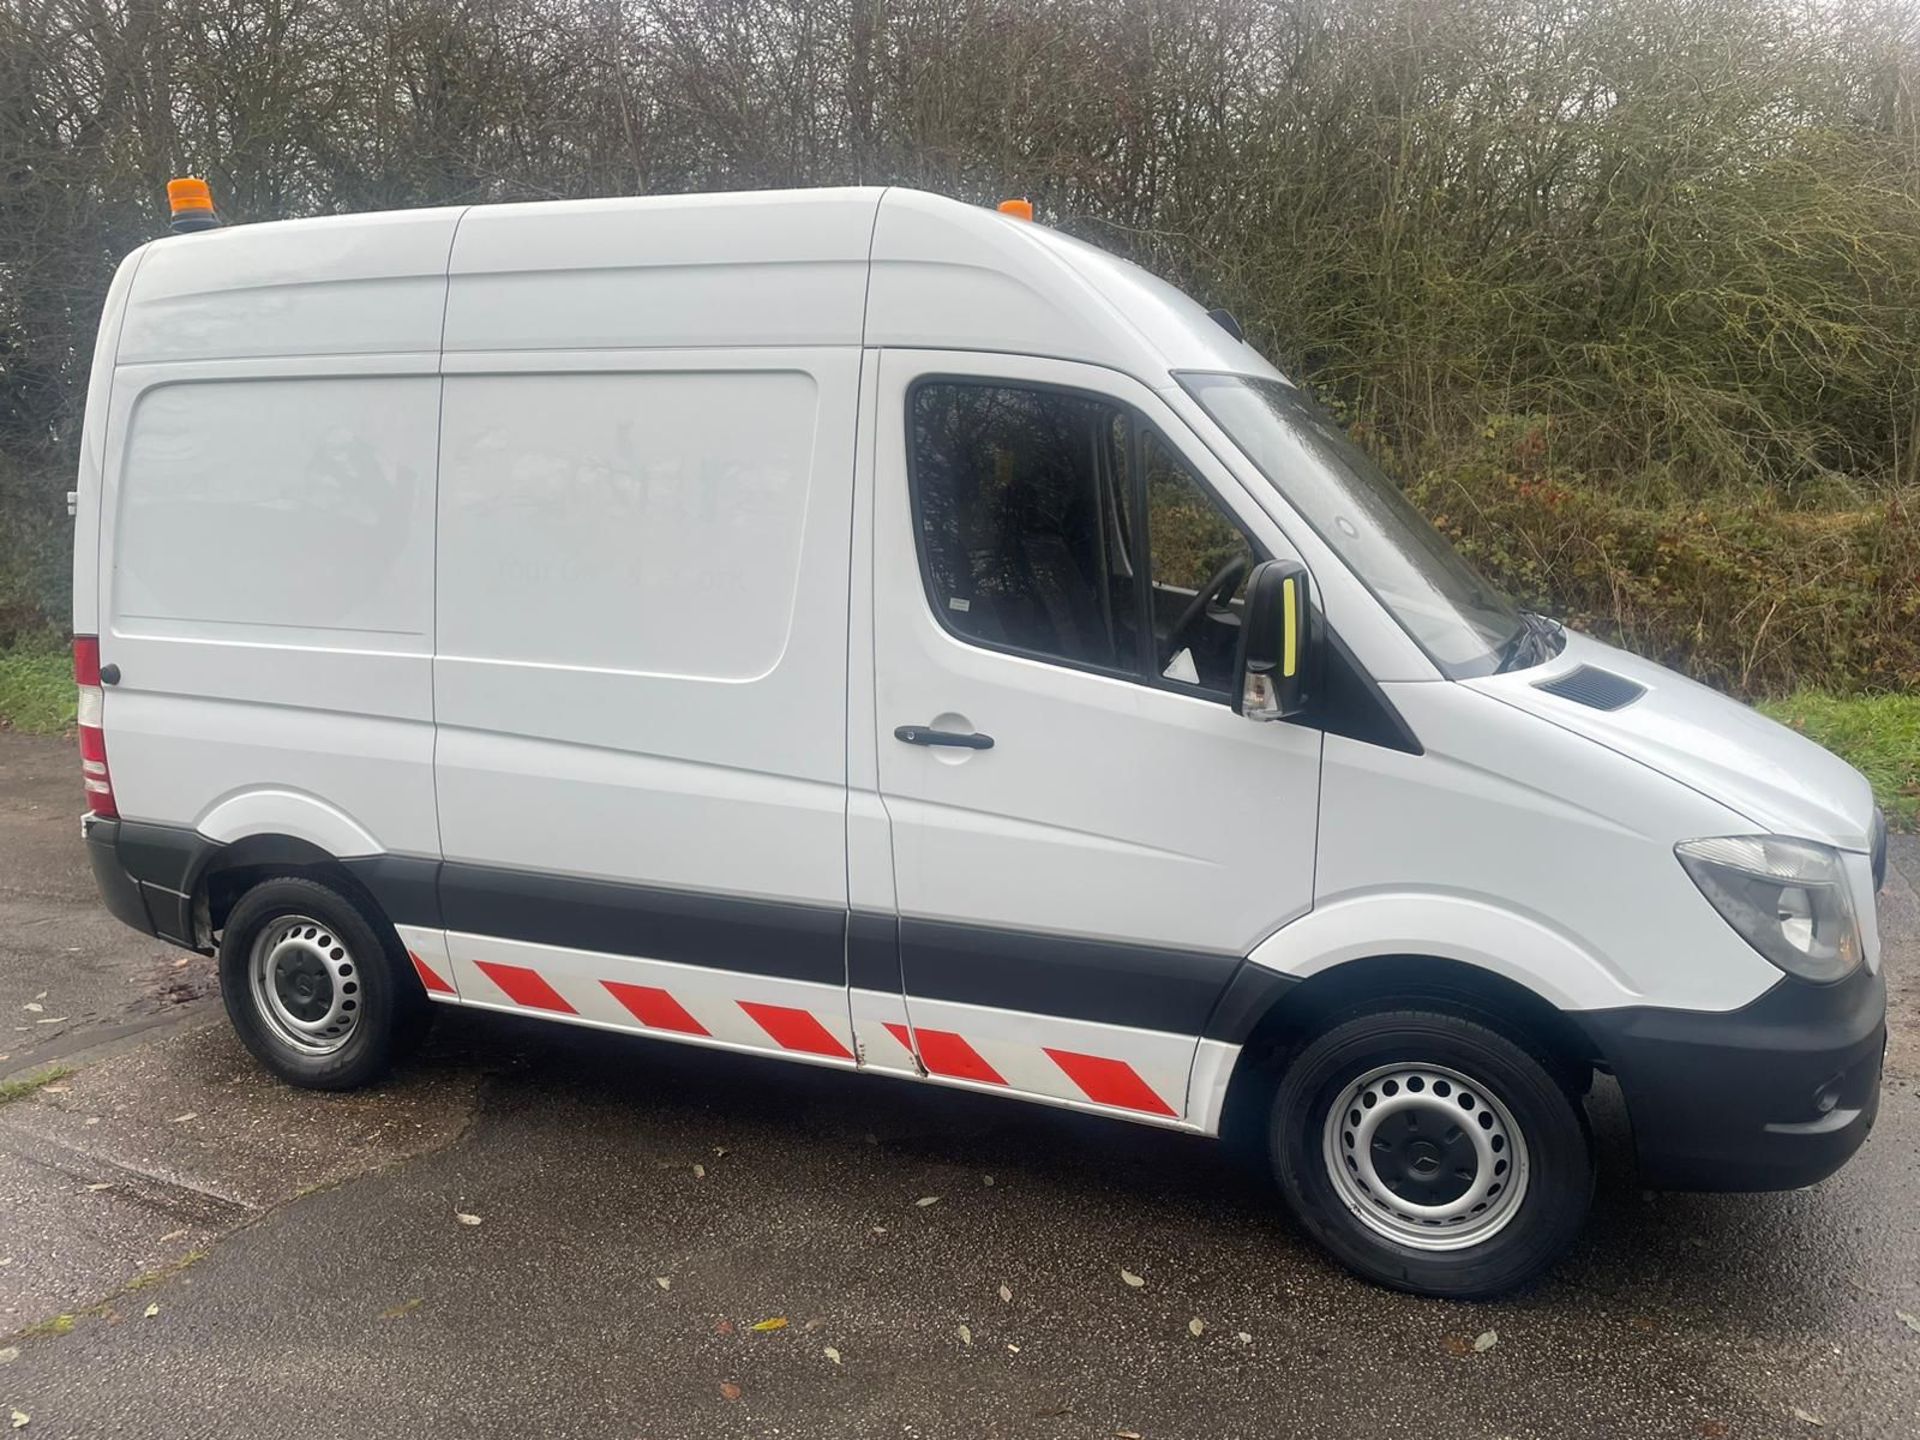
(19, 1089)
(36, 689)
(1879, 735)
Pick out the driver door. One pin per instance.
(1073, 899)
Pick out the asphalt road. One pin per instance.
(188, 1249)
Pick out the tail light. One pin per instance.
(93, 736)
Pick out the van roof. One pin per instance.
(879, 266)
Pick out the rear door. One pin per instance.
(1074, 899)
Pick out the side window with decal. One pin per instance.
(1021, 504)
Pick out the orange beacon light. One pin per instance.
(191, 201)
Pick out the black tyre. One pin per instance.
(318, 987)
(1431, 1153)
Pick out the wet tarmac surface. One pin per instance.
(641, 1208)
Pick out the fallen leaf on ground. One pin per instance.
(404, 1308)
(665, 1282)
(831, 1354)
(1455, 1345)
(182, 1119)
(966, 1335)
(1196, 1327)
(777, 1322)
(465, 1219)
(1243, 1337)
(151, 1310)
(926, 1200)
(1485, 1341)
(723, 1327)
(1714, 1430)
(699, 1172)
(1806, 1419)
(1912, 1322)
(730, 1390)
(20, 1419)
(1132, 1279)
(1005, 1293)
(986, 1179)
(9, 1355)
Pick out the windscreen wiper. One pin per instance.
(1537, 639)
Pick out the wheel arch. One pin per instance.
(1300, 1011)
(229, 871)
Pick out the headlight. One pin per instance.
(1786, 898)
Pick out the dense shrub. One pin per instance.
(1682, 236)
(1736, 587)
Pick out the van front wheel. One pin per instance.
(314, 988)
(1432, 1154)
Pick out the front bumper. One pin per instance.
(1772, 1096)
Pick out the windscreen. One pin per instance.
(1460, 620)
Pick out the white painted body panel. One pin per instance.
(95, 435)
(770, 268)
(615, 698)
(338, 285)
(1779, 780)
(956, 277)
(1505, 848)
(268, 595)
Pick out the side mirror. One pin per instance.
(1276, 635)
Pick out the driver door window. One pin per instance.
(1025, 504)
(1200, 561)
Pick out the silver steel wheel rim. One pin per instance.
(1425, 1156)
(306, 985)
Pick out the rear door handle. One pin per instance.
(922, 735)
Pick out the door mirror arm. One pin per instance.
(1275, 653)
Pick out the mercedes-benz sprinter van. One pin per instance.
(868, 629)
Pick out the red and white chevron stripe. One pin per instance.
(1139, 1073)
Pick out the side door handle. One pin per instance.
(923, 735)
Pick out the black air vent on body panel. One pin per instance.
(1596, 689)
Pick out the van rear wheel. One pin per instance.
(1431, 1153)
(317, 990)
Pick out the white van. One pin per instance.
(864, 628)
